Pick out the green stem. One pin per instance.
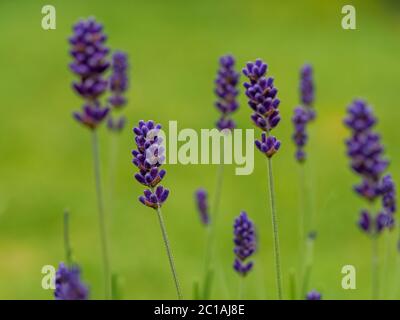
(211, 229)
(169, 253)
(67, 244)
(241, 287)
(101, 215)
(308, 262)
(375, 268)
(275, 231)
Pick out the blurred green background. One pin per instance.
(174, 46)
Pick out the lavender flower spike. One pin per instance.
(262, 97)
(90, 62)
(148, 158)
(304, 113)
(226, 91)
(307, 85)
(245, 243)
(118, 79)
(202, 205)
(69, 285)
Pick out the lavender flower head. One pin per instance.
(118, 79)
(69, 285)
(313, 295)
(202, 205)
(90, 62)
(245, 243)
(264, 103)
(366, 154)
(226, 91)
(148, 158)
(307, 86)
(304, 113)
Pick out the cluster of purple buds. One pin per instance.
(304, 113)
(264, 103)
(148, 158)
(90, 63)
(69, 285)
(245, 243)
(313, 295)
(366, 153)
(226, 91)
(118, 83)
(202, 205)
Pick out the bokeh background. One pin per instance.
(174, 46)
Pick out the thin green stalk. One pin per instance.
(375, 268)
(241, 287)
(101, 215)
(169, 253)
(67, 244)
(308, 263)
(292, 283)
(211, 229)
(275, 231)
(113, 156)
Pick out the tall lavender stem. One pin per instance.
(102, 223)
(169, 252)
(275, 230)
(67, 244)
(375, 268)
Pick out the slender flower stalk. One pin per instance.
(366, 153)
(90, 63)
(263, 101)
(67, 243)
(102, 217)
(304, 114)
(226, 91)
(148, 158)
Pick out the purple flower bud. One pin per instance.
(245, 243)
(91, 116)
(388, 191)
(202, 205)
(313, 295)
(365, 221)
(268, 145)
(69, 285)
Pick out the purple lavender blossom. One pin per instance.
(304, 113)
(148, 157)
(226, 91)
(313, 295)
(366, 153)
(307, 85)
(300, 137)
(69, 285)
(202, 205)
(388, 191)
(262, 99)
(90, 62)
(245, 243)
(119, 79)
(268, 145)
